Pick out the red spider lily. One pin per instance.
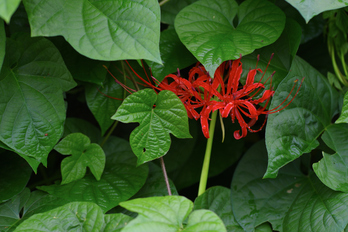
(202, 95)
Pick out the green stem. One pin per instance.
(338, 73)
(163, 2)
(109, 133)
(208, 149)
(344, 64)
(163, 166)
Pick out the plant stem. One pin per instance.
(206, 162)
(163, 2)
(163, 166)
(109, 133)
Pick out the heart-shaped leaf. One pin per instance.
(158, 116)
(294, 130)
(207, 29)
(7, 8)
(291, 202)
(103, 30)
(332, 170)
(158, 214)
(14, 174)
(120, 179)
(78, 216)
(83, 154)
(32, 109)
(311, 8)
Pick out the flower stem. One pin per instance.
(206, 162)
(163, 166)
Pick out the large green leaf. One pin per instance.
(120, 179)
(32, 109)
(7, 8)
(174, 55)
(158, 116)
(291, 202)
(2, 42)
(76, 216)
(294, 130)
(168, 214)
(83, 154)
(332, 170)
(14, 175)
(207, 29)
(103, 30)
(311, 8)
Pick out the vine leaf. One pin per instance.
(292, 202)
(207, 29)
(79, 216)
(83, 154)
(7, 8)
(311, 8)
(151, 140)
(332, 170)
(32, 109)
(295, 129)
(157, 214)
(102, 30)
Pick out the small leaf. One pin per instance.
(168, 214)
(206, 28)
(344, 114)
(7, 8)
(102, 30)
(218, 200)
(76, 216)
(151, 140)
(291, 202)
(32, 109)
(14, 175)
(311, 8)
(332, 170)
(294, 130)
(83, 155)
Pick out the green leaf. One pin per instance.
(7, 8)
(120, 179)
(32, 111)
(294, 130)
(174, 55)
(2, 42)
(83, 154)
(172, 8)
(292, 202)
(344, 114)
(76, 216)
(207, 29)
(218, 200)
(168, 214)
(103, 30)
(311, 8)
(332, 170)
(75, 125)
(14, 175)
(151, 140)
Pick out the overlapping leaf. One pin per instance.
(7, 8)
(207, 29)
(291, 202)
(294, 130)
(32, 109)
(158, 214)
(103, 30)
(81, 216)
(332, 170)
(311, 8)
(158, 116)
(83, 154)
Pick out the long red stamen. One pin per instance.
(118, 82)
(119, 99)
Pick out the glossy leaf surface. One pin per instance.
(332, 170)
(103, 30)
(295, 129)
(291, 202)
(168, 214)
(206, 28)
(83, 154)
(158, 116)
(32, 79)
